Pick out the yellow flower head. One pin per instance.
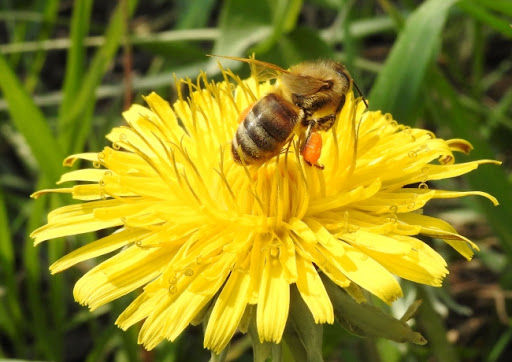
(200, 232)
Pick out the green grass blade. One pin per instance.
(36, 300)
(6, 249)
(58, 298)
(76, 55)
(393, 13)
(488, 178)
(398, 85)
(16, 30)
(498, 115)
(43, 31)
(30, 121)
(503, 6)
(285, 14)
(194, 14)
(481, 13)
(103, 344)
(299, 44)
(11, 316)
(241, 25)
(499, 349)
(74, 125)
(432, 326)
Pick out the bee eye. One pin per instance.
(328, 85)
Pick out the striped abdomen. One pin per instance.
(265, 130)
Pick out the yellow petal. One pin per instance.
(227, 312)
(344, 198)
(141, 307)
(88, 174)
(368, 273)
(39, 193)
(77, 225)
(88, 156)
(312, 290)
(119, 275)
(403, 256)
(460, 145)
(443, 194)
(99, 247)
(440, 229)
(273, 303)
(438, 172)
(193, 299)
(325, 238)
(341, 159)
(403, 200)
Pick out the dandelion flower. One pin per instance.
(199, 232)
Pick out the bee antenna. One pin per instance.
(360, 93)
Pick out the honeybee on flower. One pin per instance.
(305, 100)
(237, 246)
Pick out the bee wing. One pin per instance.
(259, 69)
(302, 84)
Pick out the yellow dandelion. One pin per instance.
(201, 233)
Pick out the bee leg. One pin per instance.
(312, 148)
(287, 149)
(325, 123)
(289, 144)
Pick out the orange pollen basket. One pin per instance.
(313, 148)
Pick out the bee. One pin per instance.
(306, 99)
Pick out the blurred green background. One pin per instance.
(69, 68)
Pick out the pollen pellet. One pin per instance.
(313, 148)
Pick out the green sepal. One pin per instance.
(203, 317)
(302, 335)
(366, 320)
(263, 351)
(221, 357)
(249, 311)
